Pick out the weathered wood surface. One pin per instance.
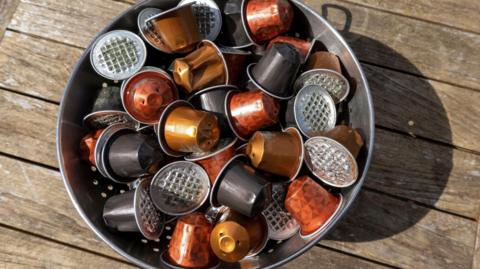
(476, 257)
(459, 14)
(20, 250)
(7, 8)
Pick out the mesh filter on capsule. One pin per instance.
(281, 224)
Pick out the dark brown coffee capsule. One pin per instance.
(234, 29)
(205, 67)
(87, 146)
(276, 71)
(348, 137)
(241, 188)
(213, 164)
(236, 236)
(174, 30)
(190, 243)
(146, 94)
(279, 153)
(249, 112)
(183, 129)
(311, 205)
(323, 60)
(303, 46)
(267, 19)
(236, 62)
(212, 99)
(209, 17)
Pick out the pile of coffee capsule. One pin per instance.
(241, 138)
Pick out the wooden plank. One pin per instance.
(435, 175)
(441, 11)
(45, 72)
(7, 8)
(34, 199)
(414, 46)
(403, 234)
(19, 250)
(476, 257)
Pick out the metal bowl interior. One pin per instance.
(89, 193)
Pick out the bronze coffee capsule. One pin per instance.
(190, 243)
(87, 146)
(311, 205)
(267, 19)
(214, 164)
(174, 31)
(303, 46)
(203, 68)
(147, 94)
(251, 111)
(236, 62)
(348, 137)
(279, 153)
(236, 236)
(183, 129)
(323, 60)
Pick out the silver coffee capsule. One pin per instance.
(314, 111)
(330, 162)
(209, 17)
(133, 211)
(180, 188)
(117, 55)
(142, 21)
(281, 224)
(334, 83)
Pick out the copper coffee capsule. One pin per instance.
(311, 205)
(203, 68)
(174, 31)
(267, 19)
(190, 243)
(303, 46)
(214, 164)
(234, 29)
(279, 153)
(323, 60)
(348, 137)
(251, 111)
(147, 93)
(183, 129)
(236, 236)
(87, 146)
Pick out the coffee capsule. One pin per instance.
(281, 224)
(213, 214)
(241, 188)
(331, 162)
(213, 163)
(212, 99)
(234, 29)
(276, 71)
(107, 110)
(87, 146)
(323, 60)
(279, 153)
(190, 244)
(118, 54)
(311, 205)
(236, 62)
(267, 19)
(249, 112)
(145, 29)
(314, 111)
(209, 17)
(236, 236)
(133, 211)
(180, 188)
(334, 83)
(174, 30)
(205, 67)
(348, 137)
(146, 94)
(303, 46)
(183, 129)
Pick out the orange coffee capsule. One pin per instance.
(310, 204)
(303, 46)
(348, 137)
(214, 164)
(267, 19)
(87, 146)
(323, 60)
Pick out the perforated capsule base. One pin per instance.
(180, 188)
(331, 162)
(334, 83)
(314, 111)
(149, 219)
(209, 17)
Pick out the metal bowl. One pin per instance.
(89, 193)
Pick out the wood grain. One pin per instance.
(7, 8)
(440, 11)
(19, 250)
(403, 234)
(476, 257)
(414, 46)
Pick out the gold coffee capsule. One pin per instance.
(279, 153)
(203, 68)
(348, 137)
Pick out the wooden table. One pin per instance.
(420, 204)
